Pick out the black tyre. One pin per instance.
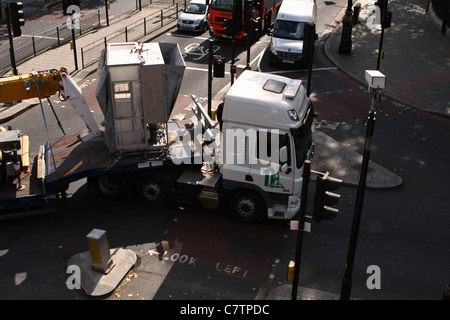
(154, 191)
(110, 186)
(248, 206)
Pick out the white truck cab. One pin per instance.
(266, 137)
(288, 34)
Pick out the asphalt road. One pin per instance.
(403, 230)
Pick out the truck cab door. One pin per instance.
(267, 171)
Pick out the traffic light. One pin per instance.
(17, 17)
(219, 67)
(324, 198)
(386, 19)
(237, 15)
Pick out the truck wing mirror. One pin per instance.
(283, 154)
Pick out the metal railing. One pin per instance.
(90, 53)
(32, 46)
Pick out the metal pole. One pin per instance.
(380, 48)
(107, 15)
(57, 35)
(15, 72)
(310, 61)
(383, 10)
(347, 280)
(82, 59)
(34, 46)
(301, 222)
(74, 42)
(210, 77)
(247, 27)
(233, 37)
(345, 45)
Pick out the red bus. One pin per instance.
(264, 12)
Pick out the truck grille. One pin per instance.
(283, 55)
(220, 19)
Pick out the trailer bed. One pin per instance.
(67, 159)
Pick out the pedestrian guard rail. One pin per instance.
(29, 47)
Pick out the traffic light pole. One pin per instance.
(347, 280)
(107, 14)
(15, 72)
(210, 77)
(233, 38)
(73, 41)
(383, 10)
(380, 48)
(301, 223)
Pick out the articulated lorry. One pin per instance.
(249, 162)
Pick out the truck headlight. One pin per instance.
(272, 49)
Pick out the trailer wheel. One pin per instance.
(110, 186)
(247, 206)
(154, 191)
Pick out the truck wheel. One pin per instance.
(110, 186)
(154, 191)
(248, 206)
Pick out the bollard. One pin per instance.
(99, 250)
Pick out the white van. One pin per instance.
(288, 33)
(195, 17)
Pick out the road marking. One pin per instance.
(301, 70)
(39, 37)
(186, 36)
(202, 69)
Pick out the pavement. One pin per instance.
(416, 64)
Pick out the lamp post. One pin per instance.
(376, 81)
(345, 45)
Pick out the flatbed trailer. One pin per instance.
(67, 159)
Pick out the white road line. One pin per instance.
(201, 69)
(39, 37)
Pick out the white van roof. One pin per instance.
(297, 10)
(198, 1)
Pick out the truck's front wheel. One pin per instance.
(154, 191)
(248, 206)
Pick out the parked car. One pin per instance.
(195, 17)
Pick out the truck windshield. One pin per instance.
(289, 30)
(222, 5)
(303, 138)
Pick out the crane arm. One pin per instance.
(22, 87)
(43, 84)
